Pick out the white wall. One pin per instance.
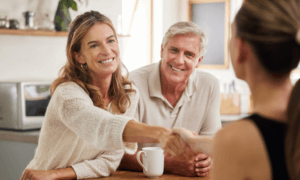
(40, 57)
(137, 48)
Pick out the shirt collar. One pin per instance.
(154, 83)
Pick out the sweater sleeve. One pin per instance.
(104, 164)
(95, 125)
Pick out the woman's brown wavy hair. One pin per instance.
(73, 72)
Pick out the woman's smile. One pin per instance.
(106, 61)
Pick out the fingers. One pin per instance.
(179, 149)
(202, 171)
(201, 157)
(189, 154)
(201, 174)
(24, 175)
(203, 163)
(194, 133)
(172, 146)
(176, 146)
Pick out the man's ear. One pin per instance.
(199, 61)
(78, 58)
(161, 51)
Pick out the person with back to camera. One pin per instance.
(89, 120)
(264, 49)
(292, 148)
(170, 92)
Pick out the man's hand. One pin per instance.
(202, 164)
(174, 145)
(198, 166)
(30, 174)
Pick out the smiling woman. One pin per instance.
(100, 53)
(89, 121)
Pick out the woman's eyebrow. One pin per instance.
(110, 36)
(91, 42)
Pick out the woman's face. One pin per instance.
(100, 51)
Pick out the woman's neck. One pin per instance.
(270, 96)
(103, 83)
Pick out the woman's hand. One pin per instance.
(56, 174)
(30, 174)
(198, 144)
(186, 135)
(175, 146)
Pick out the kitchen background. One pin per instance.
(41, 57)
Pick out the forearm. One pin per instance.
(129, 162)
(143, 133)
(65, 173)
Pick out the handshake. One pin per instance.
(183, 144)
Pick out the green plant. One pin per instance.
(62, 17)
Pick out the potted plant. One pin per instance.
(62, 17)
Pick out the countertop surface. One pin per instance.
(139, 175)
(27, 136)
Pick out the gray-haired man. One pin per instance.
(174, 93)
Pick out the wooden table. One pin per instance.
(139, 176)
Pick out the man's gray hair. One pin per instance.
(187, 28)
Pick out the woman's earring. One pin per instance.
(83, 66)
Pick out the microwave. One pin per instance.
(23, 104)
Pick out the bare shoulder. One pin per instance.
(242, 144)
(244, 135)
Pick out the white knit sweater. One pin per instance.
(78, 134)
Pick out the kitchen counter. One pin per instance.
(16, 151)
(29, 136)
(140, 176)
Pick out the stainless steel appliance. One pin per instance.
(23, 104)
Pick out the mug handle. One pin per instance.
(138, 156)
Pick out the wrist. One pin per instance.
(64, 173)
(163, 133)
(54, 174)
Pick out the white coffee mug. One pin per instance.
(153, 161)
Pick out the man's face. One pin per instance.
(180, 56)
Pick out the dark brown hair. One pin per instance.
(73, 71)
